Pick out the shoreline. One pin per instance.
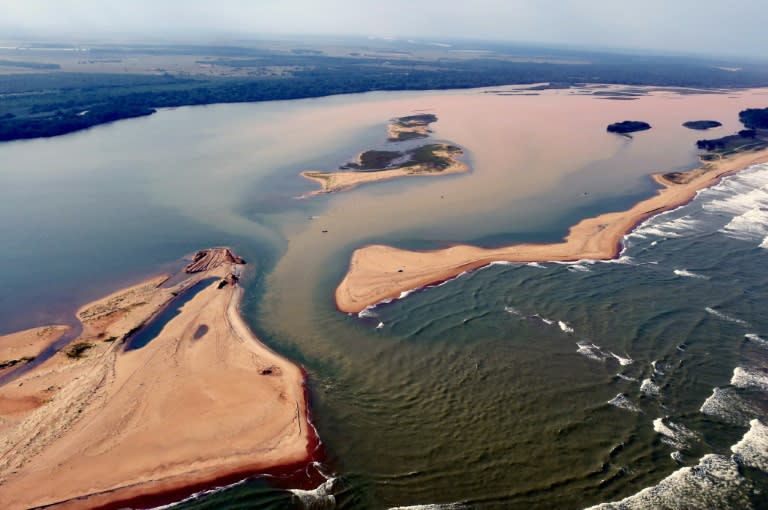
(379, 273)
(204, 403)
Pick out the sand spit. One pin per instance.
(20, 348)
(341, 181)
(202, 401)
(377, 273)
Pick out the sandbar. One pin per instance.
(379, 273)
(105, 426)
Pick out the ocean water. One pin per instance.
(635, 383)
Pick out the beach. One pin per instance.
(379, 273)
(104, 423)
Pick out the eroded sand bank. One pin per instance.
(377, 273)
(201, 401)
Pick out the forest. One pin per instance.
(42, 104)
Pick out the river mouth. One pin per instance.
(456, 397)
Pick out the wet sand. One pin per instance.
(379, 273)
(203, 401)
(342, 181)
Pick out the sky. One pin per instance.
(679, 26)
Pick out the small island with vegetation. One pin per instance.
(628, 126)
(430, 159)
(754, 137)
(379, 165)
(410, 127)
(701, 125)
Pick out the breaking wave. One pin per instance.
(676, 436)
(622, 402)
(321, 498)
(725, 317)
(752, 450)
(743, 378)
(688, 274)
(715, 482)
(727, 406)
(649, 388)
(752, 337)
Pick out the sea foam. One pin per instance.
(674, 435)
(321, 498)
(687, 274)
(725, 317)
(622, 402)
(649, 388)
(744, 378)
(715, 482)
(752, 450)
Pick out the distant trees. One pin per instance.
(755, 118)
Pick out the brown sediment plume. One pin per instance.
(341, 181)
(204, 401)
(378, 273)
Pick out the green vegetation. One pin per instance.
(76, 351)
(426, 155)
(701, 124)
(423, 119)
(746, 139)
(52, 103)
(14, 362)
(628, 126)
(755, 137)
(754, 118)
(373, 160)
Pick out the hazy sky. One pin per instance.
(702, 26)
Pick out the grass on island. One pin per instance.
(78, 350)
(744, 140)
(14, 362)
(425, 156)
(373, 160)
(628, 126)
(701, 124)
(422, 119)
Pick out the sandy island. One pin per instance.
(377, 165)
(100, 426)
(378, 273)
(341, 181)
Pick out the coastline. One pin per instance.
(331, 182)
(380, 273)
(204, 403)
